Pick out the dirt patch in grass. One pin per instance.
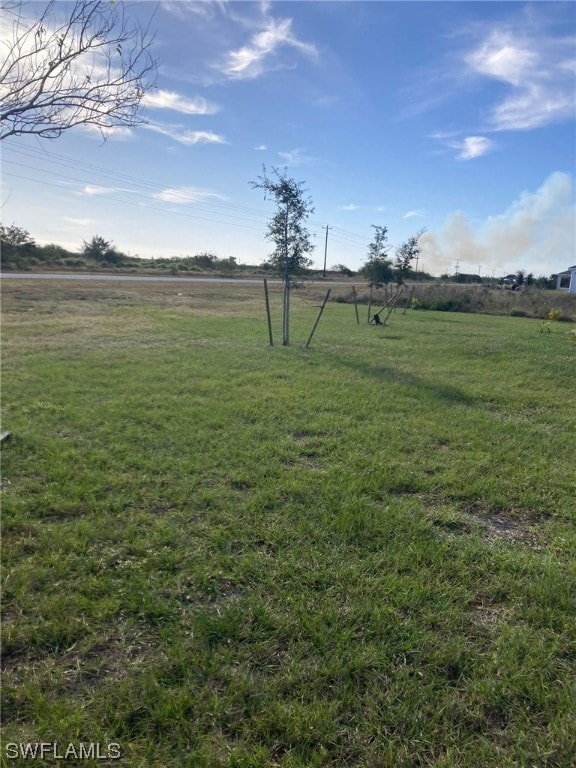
(511, 524)
(85, 664)
(490, 615)
(493, 523)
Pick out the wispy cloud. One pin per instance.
(413, 214)
(186, 195)
(187, 137)
(295, 157)
(349, 207)
(261, 148)
(472, 147)
(539, 70)
(183, 9)
(92, 189)
(79, 222)
(252, 60)
(174, 101)
(467, 148)
(115, 132)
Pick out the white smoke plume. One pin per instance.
(536, 233)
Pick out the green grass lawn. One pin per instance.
(218, 553)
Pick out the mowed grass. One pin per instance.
(218, 553)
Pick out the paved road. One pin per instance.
(147, 278)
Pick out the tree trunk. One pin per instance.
(286, 314)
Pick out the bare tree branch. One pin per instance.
(87, 65)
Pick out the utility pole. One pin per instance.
(326, 249)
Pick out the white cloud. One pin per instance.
(503, 58)
(472, 147)
(186, 195)
(79, 222)
(261, 148)
(534, 106)
(187, 137)
(539, 71)
(117, 132)
(413, 214)
(349, 207)
(171, 100)
(295, 157)
(92, 189)
(537, 232)
(183, 9)
(250, 60)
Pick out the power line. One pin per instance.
(137, 205)
(199, 207)
(78, 165)
(344, 237)
(220, 211)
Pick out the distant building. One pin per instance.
(567, 280)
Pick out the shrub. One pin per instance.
(554, 314)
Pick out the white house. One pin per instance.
(567, 280)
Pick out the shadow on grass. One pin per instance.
(437, 390)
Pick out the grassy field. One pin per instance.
(218, 553)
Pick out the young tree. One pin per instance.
(405, 255)
(378, 267)
(287, 231)
(79, 64)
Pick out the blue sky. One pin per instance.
(457, 117)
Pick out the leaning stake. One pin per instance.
(318, 318)
(393, 303)
(355, 305)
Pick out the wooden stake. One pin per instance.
(355, 305)
(268, 312)
(393, 304)
(370, 302)
(286, 339)
(409, 303)
(318, 318)
(383, 308)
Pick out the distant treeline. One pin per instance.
(19, 252)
